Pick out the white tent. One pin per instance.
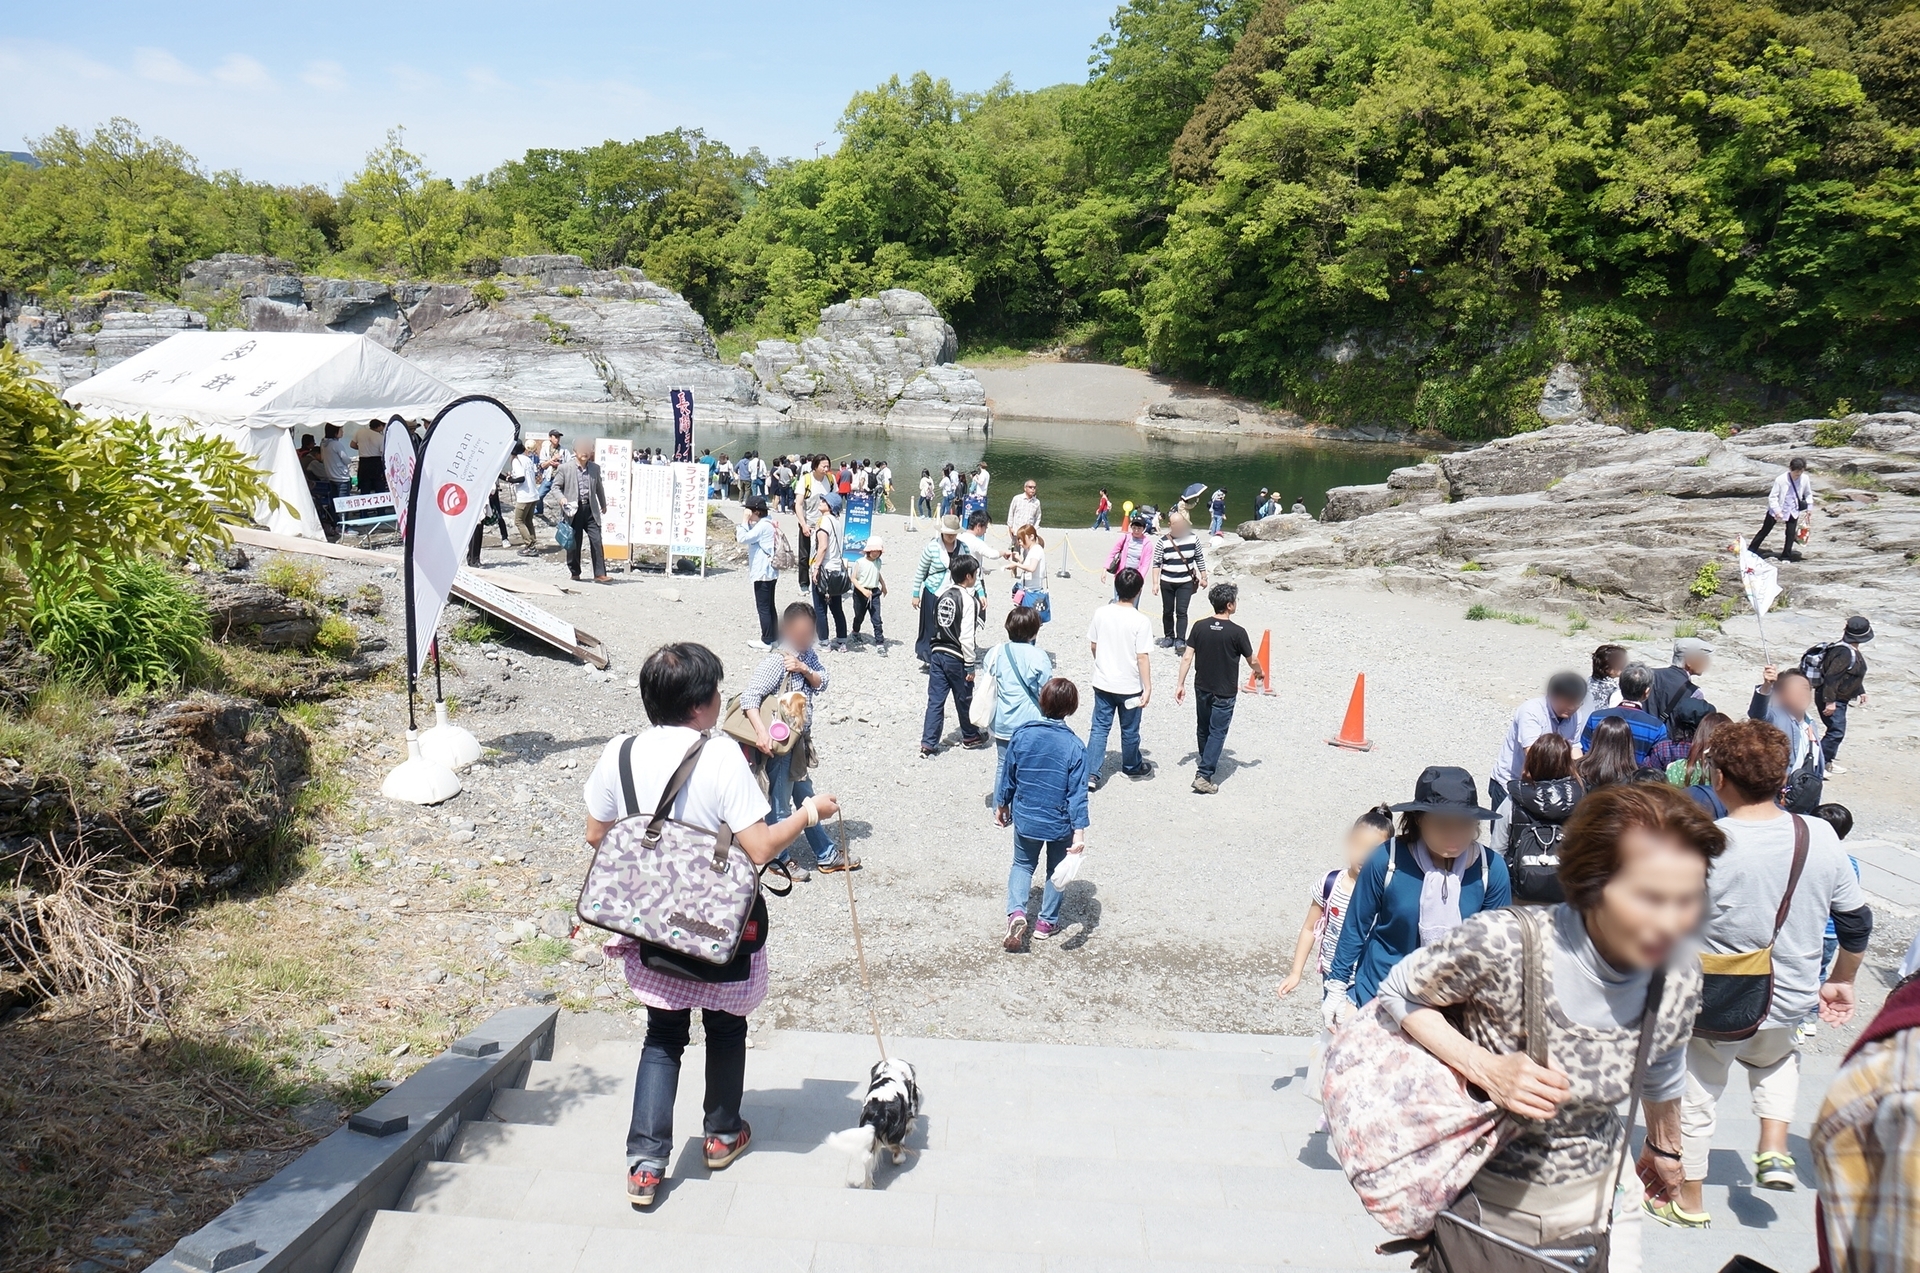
(255, 388)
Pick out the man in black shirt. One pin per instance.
(1214, 649)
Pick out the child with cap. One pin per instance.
(868, 587)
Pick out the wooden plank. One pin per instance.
(341, 552)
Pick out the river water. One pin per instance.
(1071, 461)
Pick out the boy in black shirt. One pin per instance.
(1214, 649)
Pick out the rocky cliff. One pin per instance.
(1592, 517)
(877, 360)
(548, 335)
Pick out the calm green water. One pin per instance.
(1071, 462)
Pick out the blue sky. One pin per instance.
(296, 92)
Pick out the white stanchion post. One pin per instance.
(418, 780)
(446, 743)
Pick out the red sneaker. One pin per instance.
(720, 1154)
(642, 1184)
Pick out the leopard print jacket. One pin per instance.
(1477, 968)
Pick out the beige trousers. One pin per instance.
(1773, 1073)
(1537, 1215)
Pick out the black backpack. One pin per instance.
(1536, 826)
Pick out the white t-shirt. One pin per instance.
(722, 788)
(526, 471)
(370, 442)
(1120, 635)
(1743, 892)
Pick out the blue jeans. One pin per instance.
(823, 605)
(1219, 521)
(1836, 733)
(783, 794)
(1100, 522)
(1026, 857)
(650, 1134)
(1213, 716)
(1105, 704)
(947, 675)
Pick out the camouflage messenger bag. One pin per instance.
(687, 890)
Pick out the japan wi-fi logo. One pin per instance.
(452, 499)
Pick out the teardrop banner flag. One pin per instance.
(464, 448)
(399, 457)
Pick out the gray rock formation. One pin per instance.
(1591, 517)
(1189, 412)
(1563, 398)
(95, 334)
(885, 360)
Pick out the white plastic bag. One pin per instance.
(1069, 867)
(1317, 1064)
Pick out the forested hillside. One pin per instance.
(1367, 210)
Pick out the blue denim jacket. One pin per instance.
(1045, 781)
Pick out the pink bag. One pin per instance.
(1406, 1130)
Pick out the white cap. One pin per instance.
(873, 545)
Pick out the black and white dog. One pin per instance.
(886, 1120)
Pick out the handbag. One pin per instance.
(1460, 1244)
(986, 693)
(1407, 1129)
(668, 883)
(1736, 992)
(564, 534)
(1037, 599)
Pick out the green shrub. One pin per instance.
(1706, 581)
(150, 633)
(1471, 566)
(1834, 432)
(291, 577)
(1478, 612)
(474, 628)
(336, 636)
(488, 293)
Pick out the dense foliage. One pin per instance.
(1399, 210)
(150, 633)
(79, 496)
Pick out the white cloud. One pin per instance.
(328, 76)
(241, 71)
(163, 67)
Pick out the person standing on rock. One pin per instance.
(680, 687)
(1041, 792)
(953, 655)
(1299, 507)
(1843, 683)
(1214, 655)
(1555, 712)
(1217, 511)
(1790, 500)
(583, 498)
(1121, 641)
(1179, 568)
(758, 537)
(929, 575)
(1024, 508)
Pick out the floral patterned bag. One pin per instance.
(1406, 1128)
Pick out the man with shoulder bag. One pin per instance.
(698, 794)
(1768, 900)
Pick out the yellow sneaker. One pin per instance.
(1669, 1213)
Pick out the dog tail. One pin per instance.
(853, 1142)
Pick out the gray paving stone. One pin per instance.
(974, 1223)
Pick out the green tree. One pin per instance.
(77, 493)
(396, 215)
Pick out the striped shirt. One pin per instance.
(770, 677)
(1179, 560)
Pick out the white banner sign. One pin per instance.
(361, 503)
(615, 458)
(459, 461)
(687, 528)
(517, 610)
(652, 504)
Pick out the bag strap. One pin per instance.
(674, 786)
(1533, 990)
(1643, 1049)
(626, 776)
(1793, 876)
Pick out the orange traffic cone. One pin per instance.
(1265, 660)
(1353, 730)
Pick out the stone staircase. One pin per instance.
(1200, 1156)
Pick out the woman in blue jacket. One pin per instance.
(1020, 670)
(1416, 887)
(1042, 794)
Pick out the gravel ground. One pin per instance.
(1184, 915)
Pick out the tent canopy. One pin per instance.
(253, 388)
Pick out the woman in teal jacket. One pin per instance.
(1416, 887)
(1020, 669)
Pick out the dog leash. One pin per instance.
(859, 947)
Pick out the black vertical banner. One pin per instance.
(682, 425)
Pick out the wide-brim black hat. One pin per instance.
(1859, 629)
(1446, 789)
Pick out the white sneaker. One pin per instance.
(1803, 1033)
(1836, 769)
(761, 646)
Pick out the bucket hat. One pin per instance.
(1446, 789)
(1858, 629)
(950, 525)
